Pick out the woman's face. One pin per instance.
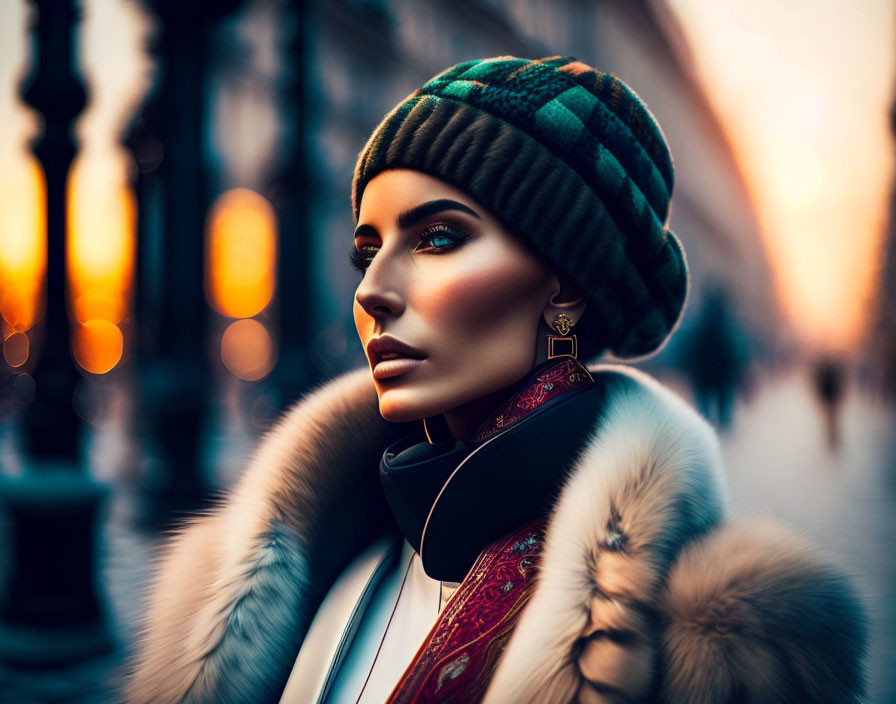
(443, 278)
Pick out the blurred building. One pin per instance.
(883, 339)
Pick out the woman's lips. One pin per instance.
(390, 357)
(389, 368)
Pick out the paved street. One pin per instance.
(778, 463)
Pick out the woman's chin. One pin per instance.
(400, 405)
(401, 411)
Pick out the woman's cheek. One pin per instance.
(363, 322)
(472, 298)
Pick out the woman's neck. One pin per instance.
(465, 420)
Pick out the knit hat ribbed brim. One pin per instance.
(569, 159)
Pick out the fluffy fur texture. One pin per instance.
(237, 588)
(644, 594)
(753, 614)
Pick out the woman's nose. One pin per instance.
(377, 297)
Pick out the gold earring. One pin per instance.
(562, 323)
(565, 344)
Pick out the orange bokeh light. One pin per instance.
(16, 347)
(23, 244)
(102, 222)
(247, 350)
(97, 345)
(242, 243)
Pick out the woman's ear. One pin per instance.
(565, 299)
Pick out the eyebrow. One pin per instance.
(417, 213)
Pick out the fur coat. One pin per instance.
(648, 591)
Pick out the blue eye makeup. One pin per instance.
(434, 239)
(439, 238)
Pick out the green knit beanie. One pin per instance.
(570, 160)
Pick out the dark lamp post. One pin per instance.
(50, 613)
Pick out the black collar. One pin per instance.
(451, 502)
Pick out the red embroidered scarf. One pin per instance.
(457, 658)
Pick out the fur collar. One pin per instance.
(645, 590)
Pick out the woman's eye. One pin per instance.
(360, 256)
(440, 238)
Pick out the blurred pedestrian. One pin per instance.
(829, 385)
(714, 353)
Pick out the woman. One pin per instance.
(562, 531)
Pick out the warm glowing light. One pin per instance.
(96, 305)
(242, 242)
(247, 350)
(804, 91)
(97, 345)
(101, 207)
(102, 222)
(23, 224)
(23, 241)
(15, 349)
